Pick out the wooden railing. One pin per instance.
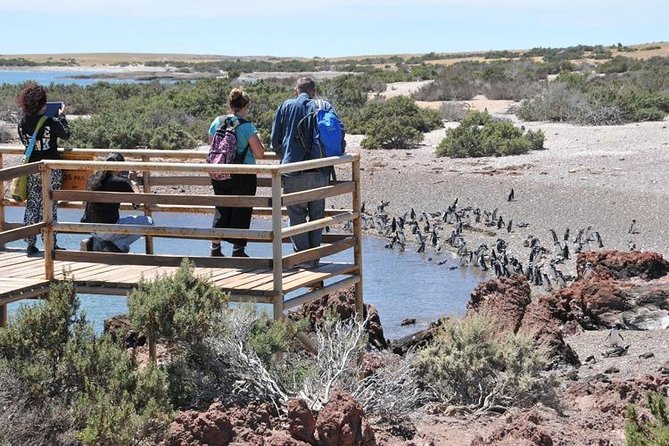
(187, 168)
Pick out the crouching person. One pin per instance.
(108, 213)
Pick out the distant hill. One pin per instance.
(639, 51)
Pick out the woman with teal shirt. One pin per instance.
(247, 140)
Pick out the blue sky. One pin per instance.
(325, 29)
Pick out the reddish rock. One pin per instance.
(505, 298)
(301, 422)
(612, 397)
(508, 301)
(541, 324)
(342, 303)
(193, 428)
(419, 339)
(621, 265)
(598, 301)
(250, 424)
(524, 429)
(342, 423)
(120, 328)
(283, 439)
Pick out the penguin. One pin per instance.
(614, 338)
(511, 195)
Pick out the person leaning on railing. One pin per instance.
(238, 184)
(32, 104)
(108, 213)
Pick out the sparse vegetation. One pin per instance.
(397, 123)
(61, 383)
(470, 363)
(480, 134)
(642, 430)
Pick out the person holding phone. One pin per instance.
(32, 105)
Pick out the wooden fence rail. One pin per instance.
(259, 279)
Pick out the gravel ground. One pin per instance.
(588, 176)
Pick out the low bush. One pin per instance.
(397, 123)
(454, 111)
(64, 383)
(178, 308)
(640, 95)
(470, 363)
(646, 431)
(480, 134)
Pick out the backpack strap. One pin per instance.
(33, 139)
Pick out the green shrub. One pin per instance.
(480, 134)
(176, 308)
(269, 336)
(397, 123)
(643, 431)
(471, 363)
(639, 94)
(172, 136)
(78, 384)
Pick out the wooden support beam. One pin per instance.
(320, 223)
(114, 258)
(165, 231)
(277, 268)
(47, 218)
(316, 253)
(9, 173)
(357, 231)
(320, 292)
(20, 232)
(341, 188)
(146, 185)
(168, 199)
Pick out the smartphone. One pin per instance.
(53, 108)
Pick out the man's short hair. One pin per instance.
(306, 85)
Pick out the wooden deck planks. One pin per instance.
(20, 273)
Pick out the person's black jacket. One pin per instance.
(46, 145)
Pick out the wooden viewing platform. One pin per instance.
(255, 279)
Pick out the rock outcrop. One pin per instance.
(120, 328)
(342, 303)
(342, 422)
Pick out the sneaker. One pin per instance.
(316, 286)
(58, 247)
(216, 252)
(239, 253)
(31, 250)
(86, 244)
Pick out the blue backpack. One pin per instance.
(321, 132)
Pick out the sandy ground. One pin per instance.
(587, 176)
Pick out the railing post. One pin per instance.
(277, 255)
(47, 217)
(3, 315)
(357, 236)
(2, 208)
(146, 187)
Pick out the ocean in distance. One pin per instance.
(61, 76)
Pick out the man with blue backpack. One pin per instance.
(306, 128)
